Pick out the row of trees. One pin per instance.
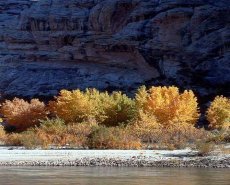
(102, 120)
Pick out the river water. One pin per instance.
(112, 176)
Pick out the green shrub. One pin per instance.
(117, 109)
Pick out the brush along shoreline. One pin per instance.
(113, 158)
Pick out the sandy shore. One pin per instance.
(137, 158)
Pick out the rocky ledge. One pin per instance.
(48, 45)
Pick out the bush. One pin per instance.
(30, 140)
(78, 134)
(220, 136)
(78, 106)
(51, 132)
(204, 148)
(116, 109)
(168, 106)
(155, 136)
(55, 132)
(113, 138)
(2, 133)
(181, 136)
(73, 106)
(22, 114)
(145, 127)
(218, 114)
(13, 139)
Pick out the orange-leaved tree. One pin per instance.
(22, 114)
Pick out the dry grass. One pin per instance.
(13, 139)
(2, 134)
(204, 148)
(56, 133)
(113, 138)
(156, 136)
(225, 151)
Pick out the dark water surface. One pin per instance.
(112, 176)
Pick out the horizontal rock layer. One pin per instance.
(48, 45)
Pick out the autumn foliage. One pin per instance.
(168, 105)
(218, 114)
(158, 117)
(22, 114)
(78, 106)
(72, 106)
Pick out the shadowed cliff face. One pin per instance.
(48, 45)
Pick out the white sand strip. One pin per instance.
(134, 158)
(17, 154)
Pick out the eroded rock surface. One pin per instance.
(48, 45)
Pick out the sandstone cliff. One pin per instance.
(48, 45)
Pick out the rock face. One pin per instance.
(48, 45)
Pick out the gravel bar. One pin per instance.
(115, 158)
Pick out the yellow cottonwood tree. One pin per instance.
(168, 105)
(79, 106)
(218, 114)
(72, 106)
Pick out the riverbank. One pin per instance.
(118, 158)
